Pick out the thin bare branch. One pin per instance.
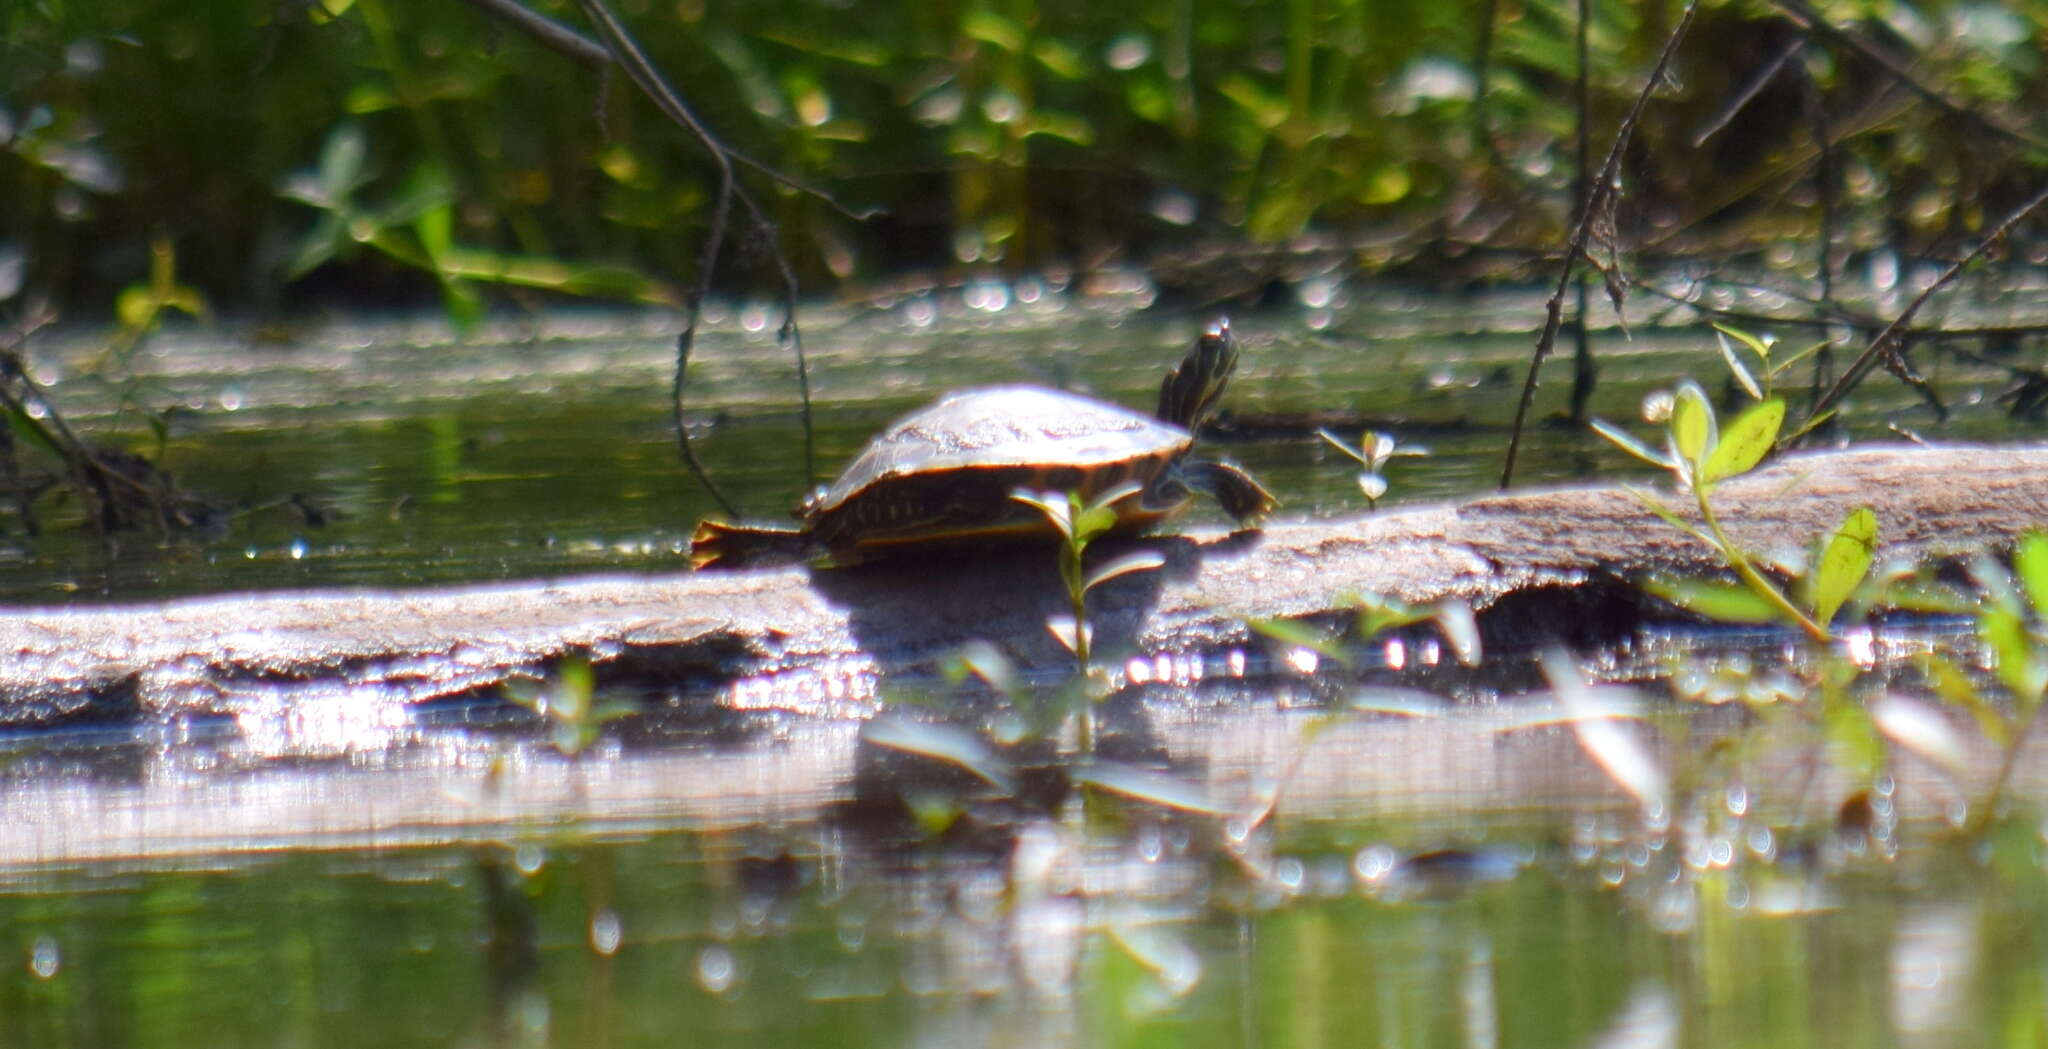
(1602, 187)
(1813, 21)
(1753, 87)
(1886, 346)
(549, 33)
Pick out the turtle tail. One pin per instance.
(717, 544)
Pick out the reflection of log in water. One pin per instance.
(1474, 764)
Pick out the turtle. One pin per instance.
(943, 477)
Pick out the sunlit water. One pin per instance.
(1332, 865)
(546, 448)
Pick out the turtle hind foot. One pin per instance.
(723, 545)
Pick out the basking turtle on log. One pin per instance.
(943, 476)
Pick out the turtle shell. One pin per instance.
(946, 471)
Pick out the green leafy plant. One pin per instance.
(1080, 521)
(2011, 613)
(140, 308)
(1375, 616)
(415, 226)
(1701, 455)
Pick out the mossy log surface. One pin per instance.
(1539, 565)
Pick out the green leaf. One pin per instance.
(2005, 633)
(341, 161)
(1920, 727)
(1622, 438)
(327, 237)
(1355, 453)
(984, 660)
(1692, 427)
(1957, 690)
(1135, 561)
(1092, 521)
(427, 189)
(135, 307)
(1757, 346)
(1098, 515)
(948, 743)
(1666, 515)
(2030, 562)
(1736, 367)
(1780, 367)
(435, 227)
(1053, 505)
(1461, 629)
(1377, 614)
(1857, 749)
(991, 28)
(1720, 602)
(1745, 442)
(1298, 634)
(1844, 563)
(1159, 788)
(1401, 702)
(31, 431)
(1623, 755)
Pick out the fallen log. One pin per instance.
(335, 665)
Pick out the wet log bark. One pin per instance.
(1551, 563)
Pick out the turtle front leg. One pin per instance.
(1243, 498)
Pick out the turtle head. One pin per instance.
(1189, 394)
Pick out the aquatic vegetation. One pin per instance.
(1374, 449)
(569, 702)
(1701, 454)
(1375, 615)
(1079, 522)
(2009, 609)
(415, 227)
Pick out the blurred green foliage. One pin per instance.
(292, 151)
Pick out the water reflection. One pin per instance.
(1092, 925)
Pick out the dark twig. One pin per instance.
(641, 71)
(548, 33)
(618, 47)
(1603, 187)
(1583, 372)
(581, 49)
(1750, 89)
(1886, 347)
(100, 478)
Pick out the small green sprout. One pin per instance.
(1376, 616)
(568, 700)
(1373, 450)
(1080, 521)
(1761, 383)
